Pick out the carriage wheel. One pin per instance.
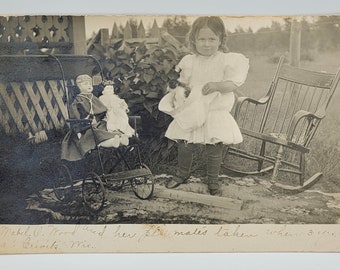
(113, 184)
(143, 186)
(63, 184)
(93, 192)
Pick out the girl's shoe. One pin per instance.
(172, 183)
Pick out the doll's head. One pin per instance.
(180, 96)
(84, 83)
(108, 90)
(207, 36)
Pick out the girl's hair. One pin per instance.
(215, 24)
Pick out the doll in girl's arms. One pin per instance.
(180, 91)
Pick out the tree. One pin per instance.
(177, 26)
(307, 36)
(328, 32)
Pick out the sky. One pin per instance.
(94, 23)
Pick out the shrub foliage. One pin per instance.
(141, 76)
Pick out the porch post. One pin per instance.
(295, 43)
(78, 36)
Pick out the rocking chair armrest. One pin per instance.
(303, 137)
(260, 101)
(240, 101)
(301, 114)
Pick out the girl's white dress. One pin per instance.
(206, 119)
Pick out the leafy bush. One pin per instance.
(141, 76)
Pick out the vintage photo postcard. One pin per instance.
(169, 134)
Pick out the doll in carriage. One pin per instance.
(100, 127)
(105, 129)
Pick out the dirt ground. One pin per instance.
(26, 197)
(259, 205)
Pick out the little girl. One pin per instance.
(81, 139)
(204, 118)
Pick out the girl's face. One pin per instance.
(207, 42)
(85, 86)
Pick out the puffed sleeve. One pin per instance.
(236, 68)
(185, 66)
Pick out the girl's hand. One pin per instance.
(210, 87)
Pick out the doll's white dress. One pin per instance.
(210, 113)
(116, 115)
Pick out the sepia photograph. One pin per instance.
(204, 127)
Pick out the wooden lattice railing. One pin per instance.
(31, 106)
(33, 91)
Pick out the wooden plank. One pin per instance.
(36, 105)
(124, 175)
(59, 98)
(48, 103)
(10, 105)
(23, 104)
(216, 201)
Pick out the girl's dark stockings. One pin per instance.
(214, 160)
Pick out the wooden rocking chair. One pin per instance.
(279, 127)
